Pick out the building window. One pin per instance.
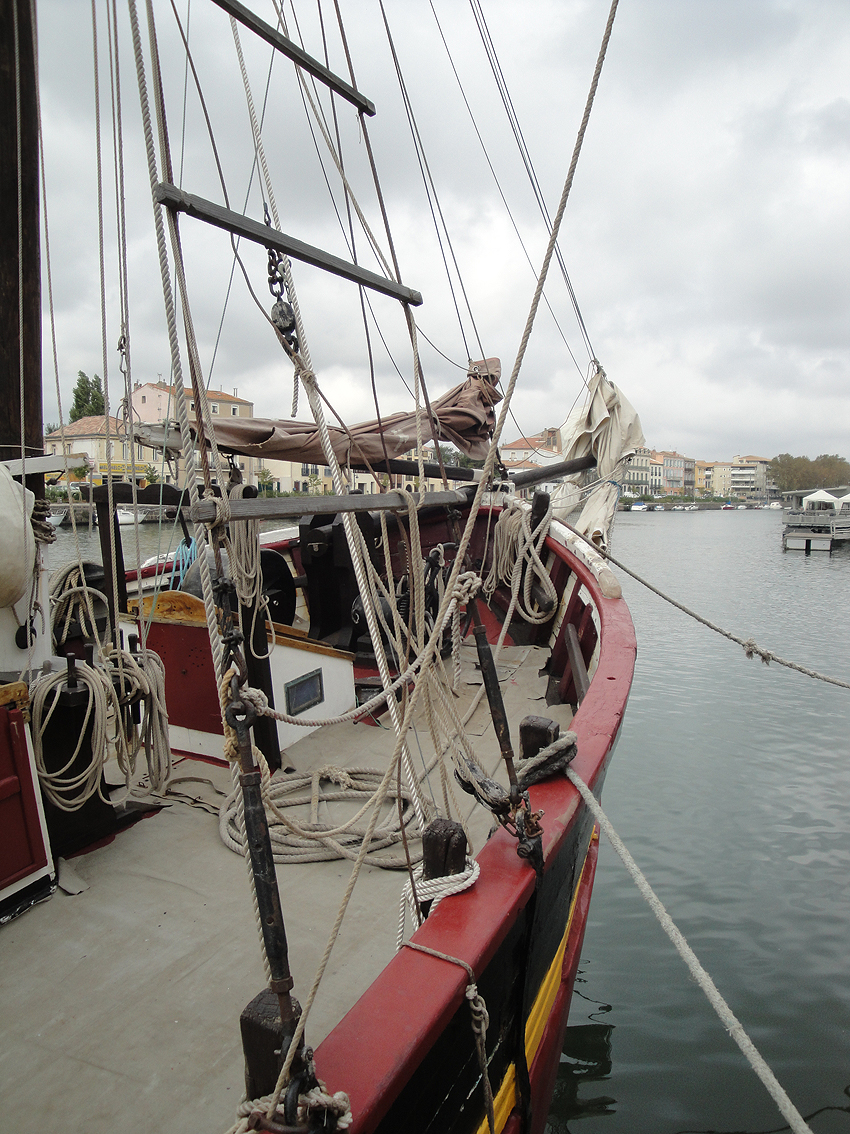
(214, 407)
(192, 406)
(305, 470)
(144, 399)
(234, 411)
(242, 465)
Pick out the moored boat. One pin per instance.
(375, 619)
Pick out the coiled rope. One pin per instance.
(315, 841)
(516, 559)
(110, 687)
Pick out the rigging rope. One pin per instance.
(750, 647)
(507, 101)
(462, 546)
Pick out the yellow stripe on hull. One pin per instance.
(505, 1099)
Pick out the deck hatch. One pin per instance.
(304, 692)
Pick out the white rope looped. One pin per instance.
(516, 559)
(433, 890)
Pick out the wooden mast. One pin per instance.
(19, 239)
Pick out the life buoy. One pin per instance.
(17, 545)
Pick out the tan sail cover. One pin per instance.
(607, 426)
(464, 416)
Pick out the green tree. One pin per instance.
(151, 473)
(450, 455)
(794, 474)
(264, 480)
(830, 470)
(88, 397)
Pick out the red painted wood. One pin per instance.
(190, 685)
(402, 1024)
(22, 848)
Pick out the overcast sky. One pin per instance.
(707, 236)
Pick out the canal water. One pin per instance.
(731, 787)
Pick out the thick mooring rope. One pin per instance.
(733, 1026)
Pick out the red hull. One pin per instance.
(379, 1046)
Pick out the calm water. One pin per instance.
(731, 787)
(153, 540)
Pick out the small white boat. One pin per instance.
(125, 516)
(57, 518)
(640, 508)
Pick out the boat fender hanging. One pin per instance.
(17, 548)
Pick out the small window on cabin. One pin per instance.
(214, 407)
(234, 411)
(304, 692)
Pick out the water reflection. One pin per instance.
(585, 1058)
(808, 1118)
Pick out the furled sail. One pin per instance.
(464, 417)
(607, 426)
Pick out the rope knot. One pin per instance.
(222, 510)
(257, 699)
(335, 775)
(752, 648)
(478, 1008)
(466, 587)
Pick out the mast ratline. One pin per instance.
(258, 233)
(292, 51)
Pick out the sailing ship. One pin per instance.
(362, 635)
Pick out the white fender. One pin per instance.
(17, 542)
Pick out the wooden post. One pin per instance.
(20, 288)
